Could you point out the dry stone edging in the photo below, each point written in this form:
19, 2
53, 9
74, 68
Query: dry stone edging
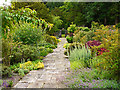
56, 67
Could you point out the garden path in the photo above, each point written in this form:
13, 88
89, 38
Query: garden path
56, 67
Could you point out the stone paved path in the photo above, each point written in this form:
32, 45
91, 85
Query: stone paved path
56, 67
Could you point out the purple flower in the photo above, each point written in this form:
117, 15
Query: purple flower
93, 80
4, 84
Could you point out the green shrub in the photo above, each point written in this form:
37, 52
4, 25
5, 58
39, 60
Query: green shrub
63, 35
43, 53
6, 71
117, 25
30, 67
69, 39
24, 52
51, 39
21, 72
13, 67
10, 83
26, 71
84, 28
94, 25
76, 65
83, 36
16, 70
7, 45
80, 54
72, 28
108, 60
50, 50
77, 37
47, 45
27, 33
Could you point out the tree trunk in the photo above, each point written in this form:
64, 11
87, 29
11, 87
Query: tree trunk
105, 20
116, 20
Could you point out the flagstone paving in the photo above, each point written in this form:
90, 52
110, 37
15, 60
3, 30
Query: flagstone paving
56, 67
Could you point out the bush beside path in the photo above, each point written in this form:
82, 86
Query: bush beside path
56, 67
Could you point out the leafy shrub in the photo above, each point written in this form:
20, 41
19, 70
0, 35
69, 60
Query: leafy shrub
66, 45
43, 52
27, 33
80, 54
16, 70
101, 50
57, 23
63, 35
7, 45
69, 39
108, 60
24, 52
76, 65
21, 72
51, 39
77, 37
10, 83
94, 25
117, 25
13, 67
84, 28
6, 71
49, 50
83, 36
26, 71
93, 43
24, 14
72, 28
47, 45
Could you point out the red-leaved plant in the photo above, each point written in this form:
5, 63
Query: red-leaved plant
96, 43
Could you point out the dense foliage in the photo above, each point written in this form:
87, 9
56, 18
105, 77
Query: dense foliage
25, 42
102, 52
91, 29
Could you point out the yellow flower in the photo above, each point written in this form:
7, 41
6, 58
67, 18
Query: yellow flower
113, 26
21, 65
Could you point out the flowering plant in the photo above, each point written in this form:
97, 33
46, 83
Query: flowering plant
101, 50
96, 43
93, 43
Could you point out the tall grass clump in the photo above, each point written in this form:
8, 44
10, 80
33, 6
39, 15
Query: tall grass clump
81, 54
